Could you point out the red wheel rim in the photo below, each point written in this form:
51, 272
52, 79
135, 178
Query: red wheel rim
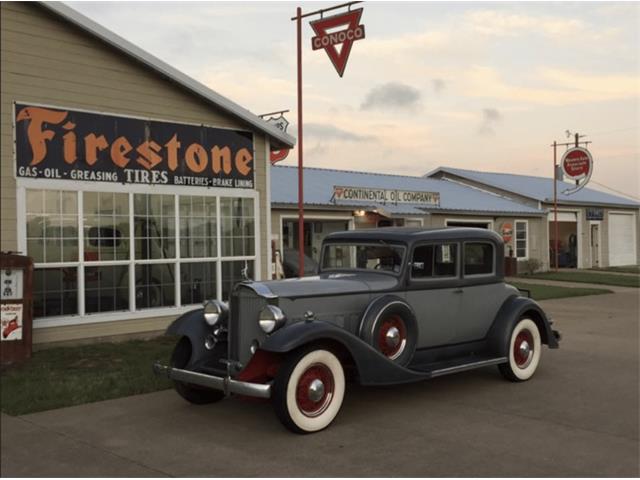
523, 349
392, 337
315, 390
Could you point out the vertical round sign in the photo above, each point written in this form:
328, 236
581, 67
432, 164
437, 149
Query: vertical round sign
577, 163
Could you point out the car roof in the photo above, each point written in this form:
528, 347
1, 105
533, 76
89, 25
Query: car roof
414, 234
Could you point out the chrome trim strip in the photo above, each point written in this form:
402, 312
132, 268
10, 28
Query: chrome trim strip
224, 384
468, 366
260, 289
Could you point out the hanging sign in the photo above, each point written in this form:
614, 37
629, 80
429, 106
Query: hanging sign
329, 37
281, 123
577, 165
383, 195
55, 143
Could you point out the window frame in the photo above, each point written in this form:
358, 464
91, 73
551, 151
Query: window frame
325, 245
464, 258
526, 238
432, 279
79, 188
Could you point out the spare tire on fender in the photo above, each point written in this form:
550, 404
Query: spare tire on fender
390, 326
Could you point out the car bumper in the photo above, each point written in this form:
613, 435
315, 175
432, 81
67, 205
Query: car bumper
224, 384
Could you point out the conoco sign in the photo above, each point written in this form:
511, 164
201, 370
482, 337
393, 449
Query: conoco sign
577, 164
329, 38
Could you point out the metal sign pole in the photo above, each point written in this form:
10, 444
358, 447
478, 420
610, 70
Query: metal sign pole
300, 159
555, 204
585, 168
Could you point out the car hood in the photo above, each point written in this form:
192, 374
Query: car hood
328, 284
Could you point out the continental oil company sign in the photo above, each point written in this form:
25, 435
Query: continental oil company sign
383, 195
64, 144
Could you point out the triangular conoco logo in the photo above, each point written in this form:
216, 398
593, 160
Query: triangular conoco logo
345, 37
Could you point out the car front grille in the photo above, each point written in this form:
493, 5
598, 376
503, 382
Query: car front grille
243, 323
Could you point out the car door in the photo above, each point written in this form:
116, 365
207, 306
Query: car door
433, 291
483, 292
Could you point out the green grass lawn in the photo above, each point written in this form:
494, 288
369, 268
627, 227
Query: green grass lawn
585, 276
65, 376
625, 269
545, 292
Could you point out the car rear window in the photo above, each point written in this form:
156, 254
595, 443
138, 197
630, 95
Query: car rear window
478, 258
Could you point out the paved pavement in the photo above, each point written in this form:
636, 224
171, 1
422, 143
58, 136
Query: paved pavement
577, 417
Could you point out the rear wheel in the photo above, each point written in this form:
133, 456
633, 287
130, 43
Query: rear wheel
191, 393
308, 390
524, 352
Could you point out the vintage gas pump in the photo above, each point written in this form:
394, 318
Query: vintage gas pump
16, 288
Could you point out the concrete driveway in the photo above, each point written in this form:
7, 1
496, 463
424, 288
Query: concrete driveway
577, 417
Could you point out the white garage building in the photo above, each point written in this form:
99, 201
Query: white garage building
595, 229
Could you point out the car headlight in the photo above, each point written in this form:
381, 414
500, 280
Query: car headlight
214, 311
271, 318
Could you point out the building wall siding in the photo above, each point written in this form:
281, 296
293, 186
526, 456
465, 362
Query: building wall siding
46, 60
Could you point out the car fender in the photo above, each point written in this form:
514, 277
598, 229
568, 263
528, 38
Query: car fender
510, 312
373, 367
192, 325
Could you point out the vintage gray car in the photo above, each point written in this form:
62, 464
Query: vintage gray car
388, 306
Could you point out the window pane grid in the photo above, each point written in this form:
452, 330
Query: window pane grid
521, 239
113, 254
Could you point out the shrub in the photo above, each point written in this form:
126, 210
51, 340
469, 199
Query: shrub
531, 265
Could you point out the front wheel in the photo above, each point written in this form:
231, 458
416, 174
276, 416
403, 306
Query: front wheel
308, 390
524, 352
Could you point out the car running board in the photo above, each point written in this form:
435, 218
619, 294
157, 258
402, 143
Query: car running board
450, 368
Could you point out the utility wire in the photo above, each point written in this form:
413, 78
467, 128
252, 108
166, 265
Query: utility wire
617, 191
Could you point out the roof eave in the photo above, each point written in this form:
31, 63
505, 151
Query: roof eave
281, 138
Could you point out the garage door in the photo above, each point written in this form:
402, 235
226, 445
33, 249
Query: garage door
622, 239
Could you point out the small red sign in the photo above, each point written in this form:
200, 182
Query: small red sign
507, 232
576, 163
330, 40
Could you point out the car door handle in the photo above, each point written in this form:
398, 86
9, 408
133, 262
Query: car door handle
458, 290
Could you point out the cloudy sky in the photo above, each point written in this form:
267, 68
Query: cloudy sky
470, 85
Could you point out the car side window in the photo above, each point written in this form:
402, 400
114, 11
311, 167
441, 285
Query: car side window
478, 258
434, 261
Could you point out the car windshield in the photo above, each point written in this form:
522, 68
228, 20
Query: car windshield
378, 256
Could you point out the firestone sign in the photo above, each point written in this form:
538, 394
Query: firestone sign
383, 195
328, 38
63, 144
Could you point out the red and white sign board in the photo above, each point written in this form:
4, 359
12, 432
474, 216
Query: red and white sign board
577, 163
279, 155
507, 232
11, 322
330, 34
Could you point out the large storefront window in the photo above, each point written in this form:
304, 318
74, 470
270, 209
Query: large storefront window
101, 252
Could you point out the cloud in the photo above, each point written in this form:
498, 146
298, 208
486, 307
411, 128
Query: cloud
438, 85
490, 117
503, 24
561, 87
392, 95
325, 131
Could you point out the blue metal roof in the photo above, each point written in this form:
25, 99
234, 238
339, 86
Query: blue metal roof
319, 183
537, 188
